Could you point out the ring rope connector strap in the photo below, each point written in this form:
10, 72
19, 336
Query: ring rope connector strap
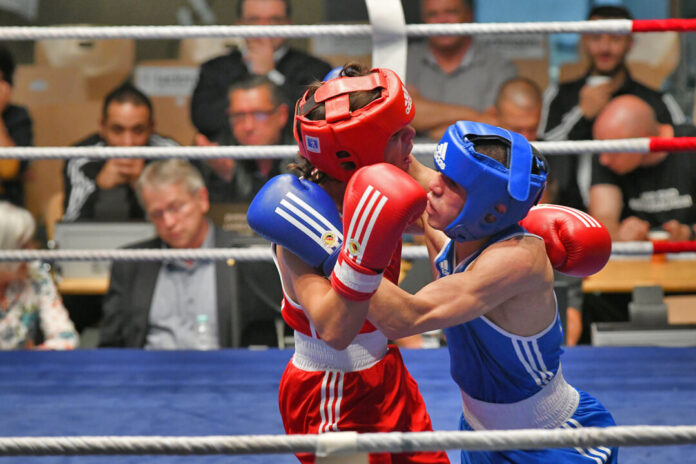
337, 444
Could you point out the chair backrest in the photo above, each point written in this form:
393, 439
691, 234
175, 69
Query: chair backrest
39, 84
200, 49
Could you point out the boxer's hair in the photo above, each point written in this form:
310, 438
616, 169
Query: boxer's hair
127, 92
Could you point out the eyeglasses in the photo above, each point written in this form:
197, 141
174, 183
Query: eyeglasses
173, 209
258, 116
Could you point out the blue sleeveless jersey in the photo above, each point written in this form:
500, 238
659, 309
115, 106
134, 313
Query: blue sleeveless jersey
490, 364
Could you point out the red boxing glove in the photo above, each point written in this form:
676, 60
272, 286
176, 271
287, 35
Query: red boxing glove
379, 202
577, 244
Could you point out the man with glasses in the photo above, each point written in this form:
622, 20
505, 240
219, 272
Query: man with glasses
257, 115
287, 67
156, 305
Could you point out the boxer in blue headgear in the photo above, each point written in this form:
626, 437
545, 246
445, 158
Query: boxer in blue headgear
498, 195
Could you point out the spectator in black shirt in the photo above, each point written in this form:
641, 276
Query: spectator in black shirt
570, 108
634, 193
15, 130
103, 190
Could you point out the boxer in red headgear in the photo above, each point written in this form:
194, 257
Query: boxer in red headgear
343, 219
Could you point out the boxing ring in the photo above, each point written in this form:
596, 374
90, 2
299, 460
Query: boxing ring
123, 393
234, 392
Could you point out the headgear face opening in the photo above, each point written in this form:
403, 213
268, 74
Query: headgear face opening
347, 140
487, 182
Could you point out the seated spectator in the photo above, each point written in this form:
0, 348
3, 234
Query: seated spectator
634, 193
32, 315
15, 130
155, 305
518, 106
571, 107
452, 78
98, 190
257, 116
288, 67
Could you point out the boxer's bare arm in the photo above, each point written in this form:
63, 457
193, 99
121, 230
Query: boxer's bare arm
514, 275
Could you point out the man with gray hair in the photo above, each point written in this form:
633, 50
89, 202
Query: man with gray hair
156, 305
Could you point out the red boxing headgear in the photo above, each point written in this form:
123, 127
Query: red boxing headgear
345, 140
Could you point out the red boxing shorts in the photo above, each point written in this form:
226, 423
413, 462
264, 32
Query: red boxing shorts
380, 398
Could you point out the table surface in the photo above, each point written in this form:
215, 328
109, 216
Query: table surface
624, 275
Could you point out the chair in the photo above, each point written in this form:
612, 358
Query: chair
55, 124
104, 63
199, 50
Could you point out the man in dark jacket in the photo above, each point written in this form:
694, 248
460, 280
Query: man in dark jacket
156, 305
287, 67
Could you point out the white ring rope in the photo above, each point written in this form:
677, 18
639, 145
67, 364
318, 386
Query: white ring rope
366, 443
636, 145
617, 26
260, 253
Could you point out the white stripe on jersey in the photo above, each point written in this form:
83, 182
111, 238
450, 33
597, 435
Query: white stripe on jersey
331, 396
600, 455
516, 344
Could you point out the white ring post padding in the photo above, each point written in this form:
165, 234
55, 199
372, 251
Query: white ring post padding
570, 147
587, 437
617, 26
632, 248
337, 443
388, 35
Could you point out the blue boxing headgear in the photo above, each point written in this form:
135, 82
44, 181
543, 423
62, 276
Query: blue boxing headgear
488, 183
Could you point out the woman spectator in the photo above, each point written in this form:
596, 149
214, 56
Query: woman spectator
32, 315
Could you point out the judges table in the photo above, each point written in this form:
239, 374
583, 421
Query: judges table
235, 392
625, 274
617, 276
83, 286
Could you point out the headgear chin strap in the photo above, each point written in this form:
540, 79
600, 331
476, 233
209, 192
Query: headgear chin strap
487, 182
347, 140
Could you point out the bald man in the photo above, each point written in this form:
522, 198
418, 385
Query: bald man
570, 108
518, 106
634, 193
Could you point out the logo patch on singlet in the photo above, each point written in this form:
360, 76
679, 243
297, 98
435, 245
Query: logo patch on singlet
312, 144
